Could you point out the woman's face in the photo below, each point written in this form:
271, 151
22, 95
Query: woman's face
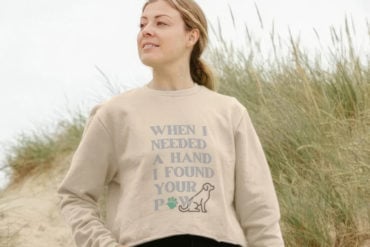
162, 39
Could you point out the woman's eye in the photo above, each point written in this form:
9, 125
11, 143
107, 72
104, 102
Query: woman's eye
141, 25
161, 23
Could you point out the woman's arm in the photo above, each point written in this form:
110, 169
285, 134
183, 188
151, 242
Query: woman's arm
255, 198
91, 168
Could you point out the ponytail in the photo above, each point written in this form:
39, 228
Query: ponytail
201, 73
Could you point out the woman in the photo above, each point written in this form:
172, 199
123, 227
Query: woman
183, 164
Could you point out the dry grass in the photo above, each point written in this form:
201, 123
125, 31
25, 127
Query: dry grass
35, 152
313, 118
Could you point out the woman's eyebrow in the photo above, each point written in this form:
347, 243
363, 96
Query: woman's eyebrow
156, 17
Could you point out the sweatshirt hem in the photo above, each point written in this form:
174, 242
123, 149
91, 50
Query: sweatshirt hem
167, 235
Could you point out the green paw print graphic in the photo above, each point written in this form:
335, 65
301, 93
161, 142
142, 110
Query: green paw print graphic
172, 202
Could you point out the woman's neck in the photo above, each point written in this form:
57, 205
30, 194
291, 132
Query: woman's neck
175, 79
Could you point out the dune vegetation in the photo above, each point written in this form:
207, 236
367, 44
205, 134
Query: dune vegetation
313, 119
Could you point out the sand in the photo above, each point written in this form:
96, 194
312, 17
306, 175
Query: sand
29, 213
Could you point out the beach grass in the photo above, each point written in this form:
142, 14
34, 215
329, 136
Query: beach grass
34, 152
313, 119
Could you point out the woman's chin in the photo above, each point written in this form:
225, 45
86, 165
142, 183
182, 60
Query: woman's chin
152, 59
148, 63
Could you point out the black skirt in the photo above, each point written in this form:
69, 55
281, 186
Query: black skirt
186, 241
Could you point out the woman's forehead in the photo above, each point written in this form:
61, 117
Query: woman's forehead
159, 9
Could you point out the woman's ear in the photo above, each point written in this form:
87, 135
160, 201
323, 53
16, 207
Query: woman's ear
193, 37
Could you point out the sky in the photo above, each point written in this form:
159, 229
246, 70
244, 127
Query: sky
53, 53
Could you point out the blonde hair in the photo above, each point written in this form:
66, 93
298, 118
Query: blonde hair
194, 18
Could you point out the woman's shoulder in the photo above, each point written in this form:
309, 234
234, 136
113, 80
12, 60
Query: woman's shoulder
115, 102
225, 100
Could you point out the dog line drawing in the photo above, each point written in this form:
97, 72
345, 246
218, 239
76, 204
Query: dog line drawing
197, 203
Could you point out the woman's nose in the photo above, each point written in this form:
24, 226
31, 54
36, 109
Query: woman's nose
147, 30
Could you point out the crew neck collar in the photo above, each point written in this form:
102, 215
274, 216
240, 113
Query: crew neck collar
181, 92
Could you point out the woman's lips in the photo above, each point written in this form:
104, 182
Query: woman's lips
149, 45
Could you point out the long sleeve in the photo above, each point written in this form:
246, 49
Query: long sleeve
92, 166
255, 198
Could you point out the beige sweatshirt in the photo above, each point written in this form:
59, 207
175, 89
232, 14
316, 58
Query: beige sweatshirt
175, 162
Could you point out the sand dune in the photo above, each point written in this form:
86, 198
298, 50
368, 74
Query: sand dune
29, 213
